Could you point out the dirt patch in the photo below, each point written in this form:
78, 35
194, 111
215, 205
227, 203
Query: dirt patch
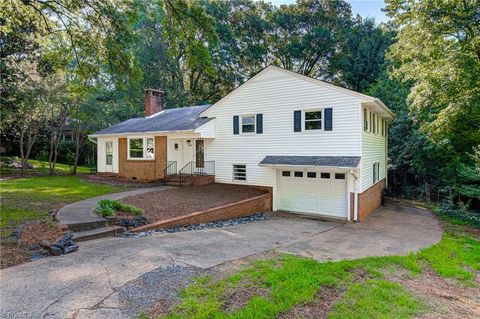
161, 205
12, 255
445, 298
35, 233
237, 297
324, 300
319, 308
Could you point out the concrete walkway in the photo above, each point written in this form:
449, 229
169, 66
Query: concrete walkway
84, 211
85, 284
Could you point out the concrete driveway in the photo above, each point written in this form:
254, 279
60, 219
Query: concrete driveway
84, 284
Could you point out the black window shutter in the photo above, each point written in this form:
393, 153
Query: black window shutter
297, 121
236, 129
328, 119
259, 123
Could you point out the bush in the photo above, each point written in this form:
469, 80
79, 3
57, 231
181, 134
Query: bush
458, 214
108, 207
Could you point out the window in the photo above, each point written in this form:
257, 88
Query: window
239, 172
141, 148
313, 120
374, 126
109, 153
311, 175
339, 176
365, 120
325, 175
248, 124
298, 174
286, 173
376, 172
135, 147
370, 121
176, 146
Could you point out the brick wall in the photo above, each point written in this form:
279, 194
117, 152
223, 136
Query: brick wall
143, 169
368, 201
242, 208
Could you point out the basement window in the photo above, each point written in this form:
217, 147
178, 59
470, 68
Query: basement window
239, 172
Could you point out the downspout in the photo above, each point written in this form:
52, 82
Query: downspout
355, 196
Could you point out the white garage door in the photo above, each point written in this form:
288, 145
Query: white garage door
313, 192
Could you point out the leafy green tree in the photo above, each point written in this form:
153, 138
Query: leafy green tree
438, 49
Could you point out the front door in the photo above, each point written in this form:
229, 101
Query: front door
199, 154
109, 156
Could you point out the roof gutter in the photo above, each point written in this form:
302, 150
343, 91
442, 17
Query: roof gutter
141, 133
307, 166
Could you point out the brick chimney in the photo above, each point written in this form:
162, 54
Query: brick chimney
154, 101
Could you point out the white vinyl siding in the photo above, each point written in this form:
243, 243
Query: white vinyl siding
276, 95
373, 151
101, 155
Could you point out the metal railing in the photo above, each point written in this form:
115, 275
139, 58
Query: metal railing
190, 169
171, 169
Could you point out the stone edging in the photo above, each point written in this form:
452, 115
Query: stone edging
247, 207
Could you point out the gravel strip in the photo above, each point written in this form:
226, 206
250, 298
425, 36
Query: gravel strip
157, 291
210, 225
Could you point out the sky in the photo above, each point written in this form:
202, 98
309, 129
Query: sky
365, 8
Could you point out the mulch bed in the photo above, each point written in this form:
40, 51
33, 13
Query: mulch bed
35, 233
161, 205
118, 181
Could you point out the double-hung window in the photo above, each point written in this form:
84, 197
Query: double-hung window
365, 119
248, 124
141, 148
108, 153
313, 120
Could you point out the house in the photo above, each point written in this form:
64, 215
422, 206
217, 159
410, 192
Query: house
321, 149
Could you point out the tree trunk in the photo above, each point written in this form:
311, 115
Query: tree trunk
22, 152
77, 151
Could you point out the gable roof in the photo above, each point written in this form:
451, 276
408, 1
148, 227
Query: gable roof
320, 161
370, 100
168, 120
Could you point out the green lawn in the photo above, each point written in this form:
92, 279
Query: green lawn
31, 198
41, 168
293, 281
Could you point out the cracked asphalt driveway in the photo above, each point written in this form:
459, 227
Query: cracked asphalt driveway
85, 284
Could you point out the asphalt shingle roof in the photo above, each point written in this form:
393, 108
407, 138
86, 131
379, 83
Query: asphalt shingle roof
334, 161
179, 119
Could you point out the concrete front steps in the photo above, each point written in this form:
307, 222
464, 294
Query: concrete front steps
94, 229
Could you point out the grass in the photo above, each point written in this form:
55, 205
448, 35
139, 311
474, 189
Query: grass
31, 198
41, 168
294, 281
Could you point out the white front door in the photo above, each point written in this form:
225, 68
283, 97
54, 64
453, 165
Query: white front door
323, 193
109, 156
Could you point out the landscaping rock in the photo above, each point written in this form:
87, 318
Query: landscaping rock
70, 249
201, 226
45, 244
56, 251
39, 254
35, 247
132, 223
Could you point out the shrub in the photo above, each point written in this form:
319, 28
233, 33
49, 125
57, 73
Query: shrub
458, 214
108, 207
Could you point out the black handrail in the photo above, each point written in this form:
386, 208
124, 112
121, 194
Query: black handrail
171, 169
190, 169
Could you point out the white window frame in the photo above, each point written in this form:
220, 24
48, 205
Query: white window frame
304, 119
254, 123
235, 174
376, 172
144, 144
106, 152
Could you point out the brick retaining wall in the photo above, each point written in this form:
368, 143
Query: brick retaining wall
258, 204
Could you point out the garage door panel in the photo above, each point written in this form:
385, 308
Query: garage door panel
312, 195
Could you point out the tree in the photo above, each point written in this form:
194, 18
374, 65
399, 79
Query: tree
438, 49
